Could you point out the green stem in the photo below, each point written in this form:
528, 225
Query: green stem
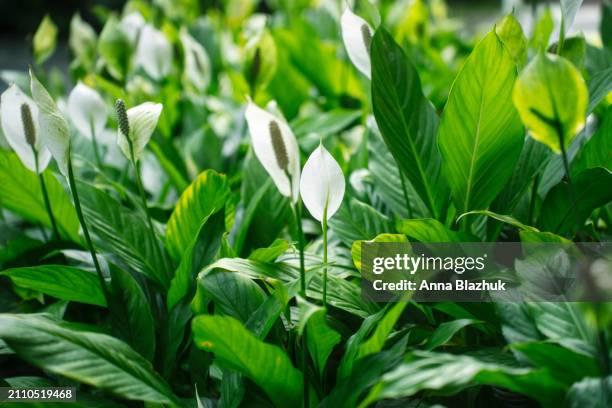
297, 211
79, 211
143, 200
324, 227
45, 194
95, 145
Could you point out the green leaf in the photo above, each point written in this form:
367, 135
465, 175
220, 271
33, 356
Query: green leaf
356, 247
114, 48
264, 364
270, 253
590, 392
233, 294
204, 197
20, 193
91, 358
564, 323
600, 85
201, 253
356, 220
60, 281
445, 331
533, 236
543, 103
503, 218
384, 327
320, 338
480, 134
451, 373
123, 233
45, 40
597, 152
565, 364
310, 129
428, 230
574, 50
132, 318
542, 31
566, 207
407, 120
511, 34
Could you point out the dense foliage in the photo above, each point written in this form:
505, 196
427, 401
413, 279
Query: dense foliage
170, 272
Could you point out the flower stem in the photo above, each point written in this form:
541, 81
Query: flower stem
324, 228
79, 211
143, 201
297, 212
45, 194
95, 145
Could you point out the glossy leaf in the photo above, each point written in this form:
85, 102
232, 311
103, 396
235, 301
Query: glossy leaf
544, 107
60, 281
480, 135
91, 358
264, 364
20, 193
204, 197
406, 119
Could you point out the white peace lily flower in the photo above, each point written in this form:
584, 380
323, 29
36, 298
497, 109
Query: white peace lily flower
154, 52
137, 124
131, 24
54, 131
357, 35
276, 148
14, 128
87, 110
197, 63
322, 184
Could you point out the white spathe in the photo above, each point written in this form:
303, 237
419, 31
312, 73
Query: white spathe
142, 120
354, 40
87, 110
12, 126
196, 72
259, 121
131, 24
154, 52
53, 129
322, 184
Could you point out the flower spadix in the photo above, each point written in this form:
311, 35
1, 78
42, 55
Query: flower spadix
87, 110
53, 128
357, 36
276, 148
322, 184
19, 118
136, 125
154, 52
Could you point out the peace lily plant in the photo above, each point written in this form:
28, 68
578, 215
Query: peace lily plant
357, 37
19, 117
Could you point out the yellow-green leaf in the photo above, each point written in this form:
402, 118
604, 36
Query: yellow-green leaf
552, 99
45, 40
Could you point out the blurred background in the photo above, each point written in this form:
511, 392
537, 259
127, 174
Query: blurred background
20, 19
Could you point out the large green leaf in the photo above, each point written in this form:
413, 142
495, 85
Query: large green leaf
406, 119
200, 253
450, 373
597, 152
60, 281
591, 392
204, 197
552, 98
91, 358
429, 230
480, 134
20, 193
123, 233
358, 221
600, 85
511, 34
132, 318
264, 364
445, 331
566, 206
